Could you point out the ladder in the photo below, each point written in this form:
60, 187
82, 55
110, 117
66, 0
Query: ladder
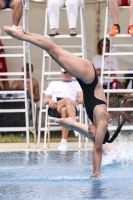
22, 51
48, 73
114, 47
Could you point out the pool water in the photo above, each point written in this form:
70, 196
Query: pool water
54, 176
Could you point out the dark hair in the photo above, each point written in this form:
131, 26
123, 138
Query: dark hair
106, 138
27, 67
99, 51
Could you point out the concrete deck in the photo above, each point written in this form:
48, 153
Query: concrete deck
33, 147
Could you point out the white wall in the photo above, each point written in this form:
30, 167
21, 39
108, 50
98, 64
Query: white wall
94, 25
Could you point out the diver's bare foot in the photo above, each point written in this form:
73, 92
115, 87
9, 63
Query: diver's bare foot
66, 122
17, 33
95, 175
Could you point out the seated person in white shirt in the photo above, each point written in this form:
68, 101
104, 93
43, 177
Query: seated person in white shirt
110, 63
63, 98
128, 102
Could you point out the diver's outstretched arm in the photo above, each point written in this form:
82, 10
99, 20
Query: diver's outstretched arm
69, 123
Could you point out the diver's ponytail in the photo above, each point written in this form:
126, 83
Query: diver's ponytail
116, 132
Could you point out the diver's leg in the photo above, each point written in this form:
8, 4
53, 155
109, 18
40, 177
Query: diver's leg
76, 66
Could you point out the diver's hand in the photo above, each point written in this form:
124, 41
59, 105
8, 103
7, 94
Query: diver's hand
95, 175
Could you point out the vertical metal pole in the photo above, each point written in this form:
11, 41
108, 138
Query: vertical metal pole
104, 42
42, 84
25, 85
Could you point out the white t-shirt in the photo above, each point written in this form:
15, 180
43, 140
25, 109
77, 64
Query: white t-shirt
63, 89
109, 63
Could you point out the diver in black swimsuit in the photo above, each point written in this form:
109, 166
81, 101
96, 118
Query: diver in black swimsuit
83, 70
90, 101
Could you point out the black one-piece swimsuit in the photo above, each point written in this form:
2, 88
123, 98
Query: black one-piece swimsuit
90, 100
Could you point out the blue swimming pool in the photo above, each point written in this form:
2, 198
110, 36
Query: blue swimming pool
55, 176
